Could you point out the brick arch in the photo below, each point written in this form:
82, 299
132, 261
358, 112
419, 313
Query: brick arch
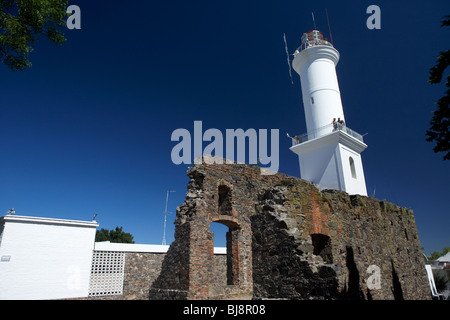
230, 222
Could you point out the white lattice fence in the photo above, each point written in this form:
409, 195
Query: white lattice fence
107, 273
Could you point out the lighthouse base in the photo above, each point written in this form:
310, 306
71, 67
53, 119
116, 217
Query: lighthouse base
333, 162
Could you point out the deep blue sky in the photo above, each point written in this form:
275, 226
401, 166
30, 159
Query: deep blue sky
87, 129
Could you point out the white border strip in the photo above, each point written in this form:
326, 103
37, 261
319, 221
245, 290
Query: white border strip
132, 247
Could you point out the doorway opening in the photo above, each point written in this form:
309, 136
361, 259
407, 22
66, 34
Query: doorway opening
226, 266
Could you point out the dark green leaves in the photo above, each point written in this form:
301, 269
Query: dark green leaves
22, 22
440, 123
116, 236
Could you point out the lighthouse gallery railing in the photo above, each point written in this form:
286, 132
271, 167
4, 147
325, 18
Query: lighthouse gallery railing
325, 130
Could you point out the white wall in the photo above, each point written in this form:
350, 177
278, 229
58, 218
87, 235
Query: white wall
317, 69
321, 167
328, 167
352, 185
320, 162
324, 161
44, 258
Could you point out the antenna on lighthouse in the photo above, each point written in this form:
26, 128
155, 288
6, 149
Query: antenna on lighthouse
287, 55
165, 218
314, 20
329, 28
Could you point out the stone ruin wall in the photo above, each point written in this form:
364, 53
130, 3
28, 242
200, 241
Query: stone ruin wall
288, 240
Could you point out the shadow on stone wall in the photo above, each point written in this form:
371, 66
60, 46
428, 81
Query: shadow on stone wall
397, 290
283, 271
173, 280
352, 290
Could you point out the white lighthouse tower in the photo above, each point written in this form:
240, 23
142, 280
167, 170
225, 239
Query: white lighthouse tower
329, 153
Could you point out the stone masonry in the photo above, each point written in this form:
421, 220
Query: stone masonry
288, 240
143, 268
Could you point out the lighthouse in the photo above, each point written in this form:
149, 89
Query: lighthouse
330, 152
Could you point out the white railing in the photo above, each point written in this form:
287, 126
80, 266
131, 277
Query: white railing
316, 42
325, 130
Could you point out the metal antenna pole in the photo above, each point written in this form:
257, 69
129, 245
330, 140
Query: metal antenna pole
329, 28
165, 218
287, 55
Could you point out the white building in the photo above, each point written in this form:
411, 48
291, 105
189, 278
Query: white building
444, 261
439, 268
43, 258
329, 154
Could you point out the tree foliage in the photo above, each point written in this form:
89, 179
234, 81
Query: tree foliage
440, 281
440, 122
435, 255
117, 236
22, 22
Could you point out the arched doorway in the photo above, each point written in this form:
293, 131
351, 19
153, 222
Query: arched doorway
230, 229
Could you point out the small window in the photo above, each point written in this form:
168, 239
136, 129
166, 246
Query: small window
225, 203
352, 167
312, 100
1, 233
322, 247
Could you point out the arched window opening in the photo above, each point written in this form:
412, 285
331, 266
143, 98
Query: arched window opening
224, 200
352, 167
